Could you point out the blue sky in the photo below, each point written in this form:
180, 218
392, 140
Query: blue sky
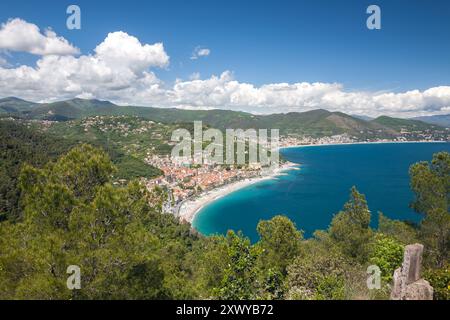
266, 42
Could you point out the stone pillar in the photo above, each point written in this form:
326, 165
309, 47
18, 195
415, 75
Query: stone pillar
407, 282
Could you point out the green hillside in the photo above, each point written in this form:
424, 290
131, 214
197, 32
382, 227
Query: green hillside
405, 124
126, 139
22, 142
131, 135
313, 123
318, 123
15, 106
73, 109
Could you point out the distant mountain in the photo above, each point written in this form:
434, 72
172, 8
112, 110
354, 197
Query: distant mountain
365, 118
398, 124
314, 123
440, 120
15, 105
72, 109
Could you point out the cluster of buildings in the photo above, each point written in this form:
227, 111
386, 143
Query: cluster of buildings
184, 180
404, 136
43, 124
424, 135
307, 140
124, 125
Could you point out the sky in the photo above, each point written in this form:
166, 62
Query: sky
259, 56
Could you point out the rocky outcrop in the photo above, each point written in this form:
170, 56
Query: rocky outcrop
407, 282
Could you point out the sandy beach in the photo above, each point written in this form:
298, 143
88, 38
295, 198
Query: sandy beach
190, 208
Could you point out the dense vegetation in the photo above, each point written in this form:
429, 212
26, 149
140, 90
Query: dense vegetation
18, 145
131, 135
25, 143
127, 249
397, 123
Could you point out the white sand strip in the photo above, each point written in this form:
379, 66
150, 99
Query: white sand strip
190, 208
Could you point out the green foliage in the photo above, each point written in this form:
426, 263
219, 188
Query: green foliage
387, 254
350, 227
440, 281
126, 139
208, 260
435, 234
258, 271
129, 167
22, 144
19, 145
273, 287
431, 183
73, 215
401, 231
280, 242
318, 274
331, 288
239, 280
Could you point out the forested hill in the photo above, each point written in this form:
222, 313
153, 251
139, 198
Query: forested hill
15, 105
18, 145
405, 124
24, 144
314, 123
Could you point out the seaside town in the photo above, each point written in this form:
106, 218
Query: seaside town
184, 181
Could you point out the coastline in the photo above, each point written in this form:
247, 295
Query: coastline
360, 142
189, 209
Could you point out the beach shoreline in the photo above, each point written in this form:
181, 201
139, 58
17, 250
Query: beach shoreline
189, 209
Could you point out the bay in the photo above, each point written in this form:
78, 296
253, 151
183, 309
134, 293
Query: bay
311, 195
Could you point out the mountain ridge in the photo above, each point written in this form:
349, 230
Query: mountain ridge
440, 120
318, 122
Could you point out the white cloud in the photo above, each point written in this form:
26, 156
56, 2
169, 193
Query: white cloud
200, 52
19, 35
126, 51
226, 93
120, 70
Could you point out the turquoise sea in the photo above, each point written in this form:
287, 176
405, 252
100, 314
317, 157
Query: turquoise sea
312, 195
